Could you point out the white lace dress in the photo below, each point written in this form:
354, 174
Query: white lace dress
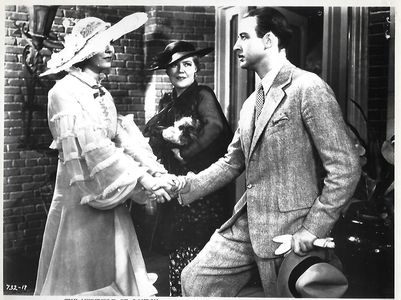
90, 246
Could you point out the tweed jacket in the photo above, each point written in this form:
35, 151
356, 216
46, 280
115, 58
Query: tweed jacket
301, 166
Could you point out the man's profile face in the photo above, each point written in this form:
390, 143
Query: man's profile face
249, 48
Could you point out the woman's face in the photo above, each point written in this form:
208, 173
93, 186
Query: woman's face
102, 60
182, 73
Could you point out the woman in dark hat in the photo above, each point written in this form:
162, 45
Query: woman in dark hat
182, 231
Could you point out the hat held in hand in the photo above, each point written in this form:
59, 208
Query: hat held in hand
315, 275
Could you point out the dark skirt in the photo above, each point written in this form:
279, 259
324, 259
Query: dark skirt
182, 231
178, 260
178, 225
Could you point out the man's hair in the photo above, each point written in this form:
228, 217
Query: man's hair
269, 19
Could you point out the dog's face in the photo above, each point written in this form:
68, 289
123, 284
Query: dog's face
183, 132
189, 128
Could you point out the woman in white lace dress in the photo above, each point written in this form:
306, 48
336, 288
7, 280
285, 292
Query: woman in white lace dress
90, 245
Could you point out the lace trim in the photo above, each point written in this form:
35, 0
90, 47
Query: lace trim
93, 146
125, 179
122, 181
55, 145
72, 120
107, 162
146, 160
66, 134
70, 156
78, 177
106, 105
59, 115
88, 198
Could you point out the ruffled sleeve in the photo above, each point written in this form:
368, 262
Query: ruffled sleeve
105, 174
130, 138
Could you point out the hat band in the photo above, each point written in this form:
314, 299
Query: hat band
176, 56
299, 270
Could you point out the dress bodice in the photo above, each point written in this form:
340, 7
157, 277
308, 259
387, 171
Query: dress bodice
96, 103
104, 154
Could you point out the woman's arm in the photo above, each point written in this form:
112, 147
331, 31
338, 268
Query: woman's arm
212, 124
130, 138
105, 175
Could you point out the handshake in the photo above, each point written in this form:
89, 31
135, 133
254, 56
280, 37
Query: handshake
163, 187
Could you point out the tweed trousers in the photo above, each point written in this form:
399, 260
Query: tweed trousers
227, 264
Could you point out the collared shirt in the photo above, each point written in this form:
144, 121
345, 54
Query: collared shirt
90, 81
85, 78
267, 81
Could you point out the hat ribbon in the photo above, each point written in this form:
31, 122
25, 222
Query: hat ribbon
178, 55
298, 271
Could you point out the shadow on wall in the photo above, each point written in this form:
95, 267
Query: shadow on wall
154, 79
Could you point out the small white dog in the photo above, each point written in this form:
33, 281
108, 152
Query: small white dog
182, 133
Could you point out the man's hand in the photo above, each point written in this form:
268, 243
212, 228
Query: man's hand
183, 185
166, 181
149, 183
161, 195
302, 241
171, 183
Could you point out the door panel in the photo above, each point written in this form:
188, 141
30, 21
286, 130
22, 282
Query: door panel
231, 81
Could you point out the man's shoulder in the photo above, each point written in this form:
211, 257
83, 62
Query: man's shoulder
307, 83
307, 80
303, 75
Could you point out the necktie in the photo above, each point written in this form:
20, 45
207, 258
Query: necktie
260, 100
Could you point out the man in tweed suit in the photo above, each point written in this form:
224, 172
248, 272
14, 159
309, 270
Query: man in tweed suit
301, 167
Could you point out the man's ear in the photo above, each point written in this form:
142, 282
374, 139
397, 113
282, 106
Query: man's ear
269, 40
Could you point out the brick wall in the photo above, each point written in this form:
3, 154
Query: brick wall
25, 170
378, 62
29, 172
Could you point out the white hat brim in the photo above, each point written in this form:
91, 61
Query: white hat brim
100, 40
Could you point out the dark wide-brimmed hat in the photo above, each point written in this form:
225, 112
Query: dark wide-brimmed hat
316, 275
175, 52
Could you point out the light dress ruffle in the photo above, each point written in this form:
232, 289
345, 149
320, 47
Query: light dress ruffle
89, 245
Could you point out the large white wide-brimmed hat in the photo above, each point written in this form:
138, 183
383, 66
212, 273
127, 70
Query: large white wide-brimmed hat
88, 37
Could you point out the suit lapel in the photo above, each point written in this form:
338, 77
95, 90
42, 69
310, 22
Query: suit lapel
247, 120
274, 97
